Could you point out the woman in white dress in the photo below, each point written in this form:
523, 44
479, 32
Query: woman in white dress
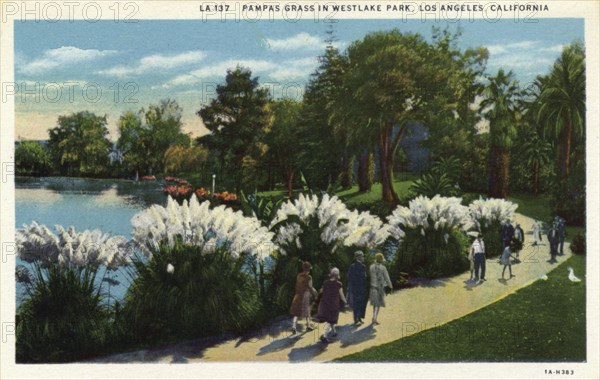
380, 279
535, 228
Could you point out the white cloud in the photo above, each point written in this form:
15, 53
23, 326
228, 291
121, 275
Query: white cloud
553, 49
155, 62
63, 56
299, 68
299, 41
507, 48
219, 70
528, 57
522, 60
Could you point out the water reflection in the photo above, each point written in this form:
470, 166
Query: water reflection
37, 195
107, 205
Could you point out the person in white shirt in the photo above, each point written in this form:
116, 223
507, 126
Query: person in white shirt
535, 228
478, 252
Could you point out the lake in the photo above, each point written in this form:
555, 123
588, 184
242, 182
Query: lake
85, 204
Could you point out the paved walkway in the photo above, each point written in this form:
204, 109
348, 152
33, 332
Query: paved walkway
408, 311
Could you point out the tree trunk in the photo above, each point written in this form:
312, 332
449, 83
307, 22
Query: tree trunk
499, 160
365, 171
386, 161
566, 149
504, 173
290, 182
346, 175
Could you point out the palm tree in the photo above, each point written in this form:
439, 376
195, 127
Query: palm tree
562, 101
537, 153
500, 107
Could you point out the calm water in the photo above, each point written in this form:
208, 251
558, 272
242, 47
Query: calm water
85, 204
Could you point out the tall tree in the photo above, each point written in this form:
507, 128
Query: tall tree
146, 136
562, 101
391, 80
323, 150
237, 119
79, 144
500, 107
282, 139
537, 153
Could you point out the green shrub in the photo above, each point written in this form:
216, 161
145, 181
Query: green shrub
432, 184
430, 255
578, 244
430, 237
63, 319
206, 294
570, 205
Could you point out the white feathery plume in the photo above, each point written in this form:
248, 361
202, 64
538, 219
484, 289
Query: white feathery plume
196, 224
69, 248
423, 214
339, 226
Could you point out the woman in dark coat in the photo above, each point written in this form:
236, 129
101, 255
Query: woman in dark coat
301, 302
357, 287
332, 300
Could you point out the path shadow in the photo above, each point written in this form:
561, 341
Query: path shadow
178, 358
303, 354
357, 336
276, 328
180, 353
278, 345
470, 284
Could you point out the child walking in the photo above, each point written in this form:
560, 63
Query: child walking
505, 260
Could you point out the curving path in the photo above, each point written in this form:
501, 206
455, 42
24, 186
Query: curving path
408, 311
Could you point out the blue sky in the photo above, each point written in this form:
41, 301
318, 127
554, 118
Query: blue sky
184, 60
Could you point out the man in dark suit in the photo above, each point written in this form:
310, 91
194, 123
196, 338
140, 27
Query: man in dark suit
508, 232
357, 287
553, 240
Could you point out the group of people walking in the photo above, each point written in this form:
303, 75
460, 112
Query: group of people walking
513, 239
333, 299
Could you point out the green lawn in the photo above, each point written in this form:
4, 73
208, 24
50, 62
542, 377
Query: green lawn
402, 182
542, 322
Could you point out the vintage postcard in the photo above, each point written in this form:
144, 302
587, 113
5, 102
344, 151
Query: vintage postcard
279, 189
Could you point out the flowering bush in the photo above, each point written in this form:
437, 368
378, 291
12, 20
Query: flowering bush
179, 181
202, 193
430, 236
71, 249
200, 226
179, 193
483, 212
226, 197
148, 178
196, 277
184, 191
487, 216
62, 317
324, 232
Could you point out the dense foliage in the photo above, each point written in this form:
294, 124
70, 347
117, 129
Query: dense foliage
63, 316
32, 158
79, 145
